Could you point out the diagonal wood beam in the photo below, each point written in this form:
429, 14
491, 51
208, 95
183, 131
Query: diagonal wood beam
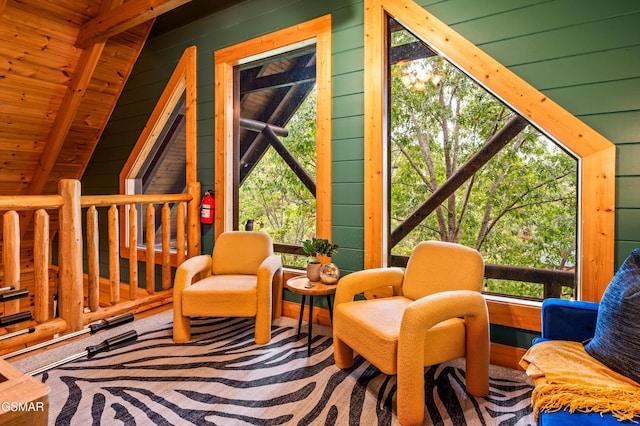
3, 4
468, 169
64, 117
122, 18
288, 158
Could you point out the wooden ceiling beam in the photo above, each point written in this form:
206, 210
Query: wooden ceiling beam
73, 96
64, 117
122, 18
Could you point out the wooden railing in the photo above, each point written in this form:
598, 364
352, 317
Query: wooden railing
78, 295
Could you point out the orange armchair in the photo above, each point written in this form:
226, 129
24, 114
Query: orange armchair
436, 314
243, 278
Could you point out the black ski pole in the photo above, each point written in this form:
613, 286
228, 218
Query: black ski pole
91, 329
90, 351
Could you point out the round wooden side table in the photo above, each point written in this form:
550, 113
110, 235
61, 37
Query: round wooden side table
302, 286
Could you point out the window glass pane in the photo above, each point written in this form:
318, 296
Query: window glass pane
161, 170
276, 167
517, 206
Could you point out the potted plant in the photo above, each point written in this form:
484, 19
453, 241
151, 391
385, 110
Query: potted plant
317, 248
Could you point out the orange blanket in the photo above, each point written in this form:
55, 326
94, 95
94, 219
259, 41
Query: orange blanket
568, 378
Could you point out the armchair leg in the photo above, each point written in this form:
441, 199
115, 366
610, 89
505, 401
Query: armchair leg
263, 325
411, 394
181, 328
342, 353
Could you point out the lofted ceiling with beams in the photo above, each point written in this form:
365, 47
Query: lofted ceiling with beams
63, 66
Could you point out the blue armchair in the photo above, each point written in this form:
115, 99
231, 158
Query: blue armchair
573, 321
568, 320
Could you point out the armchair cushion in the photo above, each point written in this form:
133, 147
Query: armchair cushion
616, 342
226, 295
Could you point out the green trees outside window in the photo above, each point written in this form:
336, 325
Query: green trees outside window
518, 209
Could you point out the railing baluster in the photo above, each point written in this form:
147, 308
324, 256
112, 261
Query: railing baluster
93, 259
114, 255
166, 246
11, 258
193, 219
41, 251
133, 252
180, 225
151, 249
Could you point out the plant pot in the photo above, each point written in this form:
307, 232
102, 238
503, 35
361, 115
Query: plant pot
313, 271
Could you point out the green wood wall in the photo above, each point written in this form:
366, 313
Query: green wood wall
584, 54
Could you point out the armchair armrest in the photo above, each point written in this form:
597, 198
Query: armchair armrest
270, 283
368, 279
426, 312
568, 320
188, 270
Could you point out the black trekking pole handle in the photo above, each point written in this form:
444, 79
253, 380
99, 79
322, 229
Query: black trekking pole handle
15, 318
112, 343
14, 294
111, 322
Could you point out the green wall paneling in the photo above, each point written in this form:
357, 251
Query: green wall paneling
628, 224
617, 64
628, 159
512, 336
628, 192
347, 171
349, 105
621, 127
614, 96
623, 249
583, 54
348, 215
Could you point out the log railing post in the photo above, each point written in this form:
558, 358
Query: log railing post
193, 219
166, 246
180, 232
150, 267
93, 259
114, 255
133, 252
11, 258
70, 294
41, 257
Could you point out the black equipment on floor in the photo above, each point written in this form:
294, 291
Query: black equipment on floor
91, 329
105, 346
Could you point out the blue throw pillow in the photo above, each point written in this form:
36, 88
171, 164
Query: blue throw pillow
616, 342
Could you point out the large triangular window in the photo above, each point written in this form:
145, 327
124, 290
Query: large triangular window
566, 139
466, 168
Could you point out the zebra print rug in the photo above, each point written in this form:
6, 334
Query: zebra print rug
223, 378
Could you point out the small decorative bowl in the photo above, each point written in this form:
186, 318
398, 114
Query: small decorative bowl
329, 273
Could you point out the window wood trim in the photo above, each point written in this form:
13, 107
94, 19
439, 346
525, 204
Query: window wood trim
596, 154
225, 59
182, 80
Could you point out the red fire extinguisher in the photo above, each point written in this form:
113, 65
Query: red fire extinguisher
207, 208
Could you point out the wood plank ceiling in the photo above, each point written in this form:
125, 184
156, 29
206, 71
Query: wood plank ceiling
63, 65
